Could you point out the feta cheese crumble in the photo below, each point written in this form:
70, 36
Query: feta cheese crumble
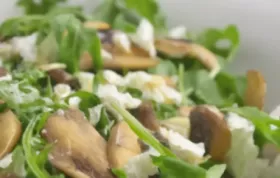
6, 161
153, 87
178, 32
121, 40
74, 102
26, 47
86, 80
7, 77
184, 148
242, 159
62, 90
95, 113
144, 37
113, 78
110, 93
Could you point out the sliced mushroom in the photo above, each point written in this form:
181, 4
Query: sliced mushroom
137, 58
146, 115
181, 48
208, 126
61, 76
178, 124
78, 149
256, 89
10, 132
97, 25
122, 145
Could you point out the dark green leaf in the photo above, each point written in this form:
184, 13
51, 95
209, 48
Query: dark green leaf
38, 7
176, 168
95, 51
88, 100
29, 152
121, 23
203, 86
106, 11
223, 42
3, 107
262, 122
105, 124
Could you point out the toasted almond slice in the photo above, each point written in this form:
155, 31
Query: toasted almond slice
122, 145
256, 89
97, 25
10, 132
180, 48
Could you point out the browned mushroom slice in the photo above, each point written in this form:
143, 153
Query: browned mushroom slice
97, 25
10, 132
146, 115
256, 89
122, 145
78, 149
180, 48
208, 126
61, 76
137, 59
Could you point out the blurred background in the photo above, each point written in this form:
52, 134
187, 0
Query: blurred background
257, 21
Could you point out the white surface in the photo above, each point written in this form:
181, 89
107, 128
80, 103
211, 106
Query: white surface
256, 19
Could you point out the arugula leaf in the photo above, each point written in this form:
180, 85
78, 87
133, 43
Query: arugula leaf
165, 68
139, 129
17, 167
105, 124
29, 152
203, 86
223, 42
120, 173
3, 107
95, 51
176, 168
21, 26
164, 111
121, 23
70, 36
38, 7
232, 87
216, 171
262, 122
106, 11
88, 100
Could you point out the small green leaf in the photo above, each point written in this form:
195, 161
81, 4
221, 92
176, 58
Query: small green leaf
216, 171
140, 130
223, 42
3, 107
119, 173
176, 168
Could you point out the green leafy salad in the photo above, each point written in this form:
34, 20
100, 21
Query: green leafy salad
117, 94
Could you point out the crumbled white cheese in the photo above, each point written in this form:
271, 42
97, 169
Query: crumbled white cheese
95, 113
153, 87
110, 92
86, 80
6, 161
182, 147
106, 55
113, 78
62, 90
121, 40
140, 166
74, 101
7, 77
242, 159
26, 47
178, 32
144, 37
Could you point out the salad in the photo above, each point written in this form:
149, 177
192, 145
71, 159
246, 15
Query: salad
117, 94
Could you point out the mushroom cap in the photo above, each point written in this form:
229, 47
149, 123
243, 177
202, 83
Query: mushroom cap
147, 117
10, 132
256, 89
78, 149
122, 145
98, 25
185, 48
209, 126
